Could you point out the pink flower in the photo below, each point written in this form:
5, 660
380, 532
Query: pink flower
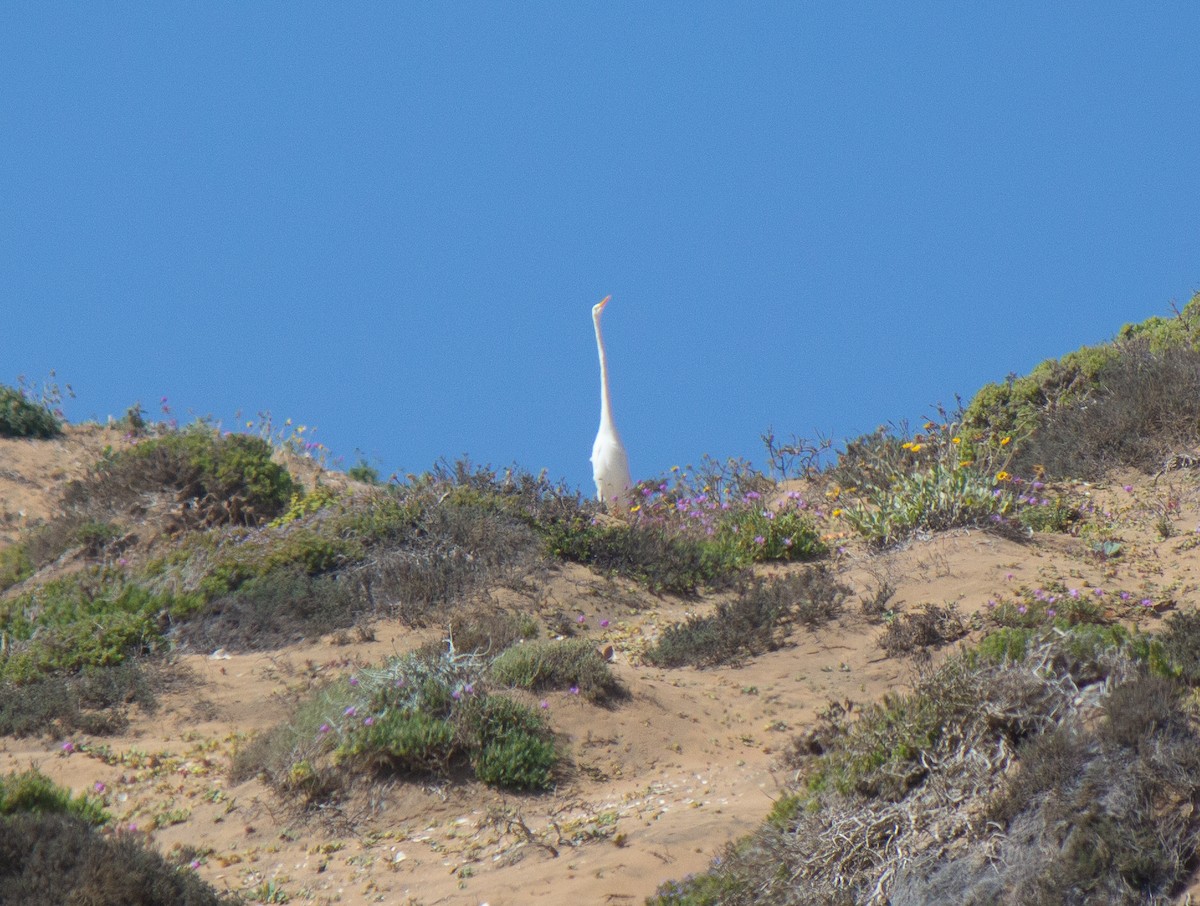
68, 747
543, 704
325, 728
353, 681
1129, 488
99, 786
604, 624
368, 721
581, 619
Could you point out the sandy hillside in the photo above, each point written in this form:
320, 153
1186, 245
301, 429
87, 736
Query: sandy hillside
660, 782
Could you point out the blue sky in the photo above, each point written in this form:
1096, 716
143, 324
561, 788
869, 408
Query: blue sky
391, 221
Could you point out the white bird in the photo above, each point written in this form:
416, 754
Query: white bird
610, 463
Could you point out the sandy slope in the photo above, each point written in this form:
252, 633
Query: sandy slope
660, 783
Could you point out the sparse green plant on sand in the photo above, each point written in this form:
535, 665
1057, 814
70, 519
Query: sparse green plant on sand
554, 664
421, 714
940, 479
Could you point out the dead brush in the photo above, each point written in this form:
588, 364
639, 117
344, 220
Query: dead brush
1082, 809
933, 626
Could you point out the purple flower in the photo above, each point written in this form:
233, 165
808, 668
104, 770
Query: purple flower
760, 540
368, 721
325, 728
1099, 592
469, 688
195, 864
121, 561
399, 682
1051, 613
574, 690
1146, 602
1022, 609
353, 681
68, 747
543, 704
1073, 592
581, 619
351, 711
1125, 596
99, 786
1129, 488
456, 695
604, 624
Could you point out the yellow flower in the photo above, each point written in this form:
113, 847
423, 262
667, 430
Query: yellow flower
956, 440
634, 509
674, 468
1005, 441
906, 446
837, 512
916, 447
1002, 476
966, 462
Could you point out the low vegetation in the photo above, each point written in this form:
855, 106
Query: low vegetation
754, 621
430, 713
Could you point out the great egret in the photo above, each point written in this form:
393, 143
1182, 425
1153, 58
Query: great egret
610, 463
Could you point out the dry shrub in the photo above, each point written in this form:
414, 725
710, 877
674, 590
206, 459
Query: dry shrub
1146, 405
1080, 810
913, 633
457, 549
753, 622
273, 610
95, 701
51, 860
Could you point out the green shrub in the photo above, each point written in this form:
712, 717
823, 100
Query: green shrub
21, 417
557, 665
220, 478
421, 714
655, 555
406, 741
364, 472
87, 620
15, 565
519, 761
32, 791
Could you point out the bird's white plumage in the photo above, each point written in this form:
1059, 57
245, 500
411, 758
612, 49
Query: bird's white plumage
610, 463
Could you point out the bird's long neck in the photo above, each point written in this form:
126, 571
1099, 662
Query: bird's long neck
606, 417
